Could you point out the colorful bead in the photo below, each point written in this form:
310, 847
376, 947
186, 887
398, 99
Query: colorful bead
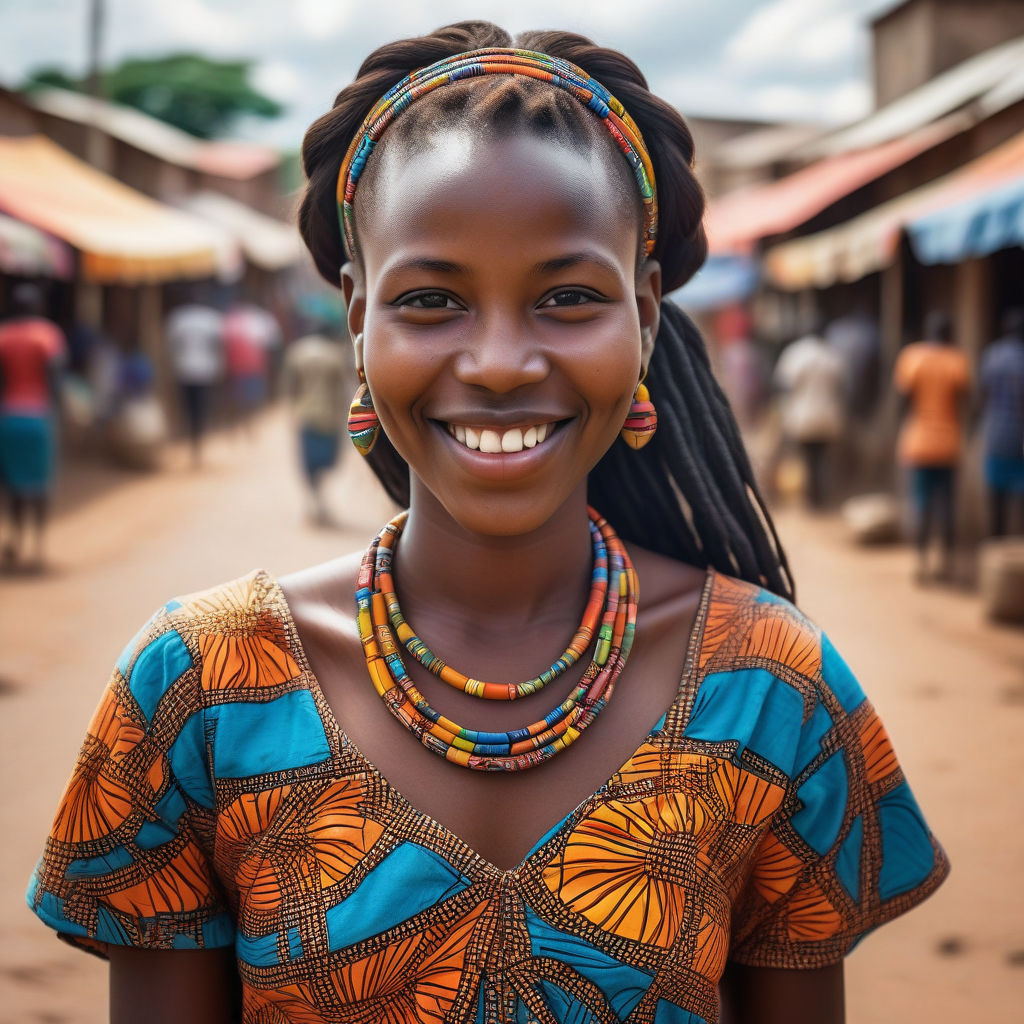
382, 630
641, 420
363, 425
500, 61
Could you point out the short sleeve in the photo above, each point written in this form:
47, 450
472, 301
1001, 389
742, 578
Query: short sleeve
129, 857
847, 851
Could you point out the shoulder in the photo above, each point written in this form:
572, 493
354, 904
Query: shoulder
762, 652
200, 642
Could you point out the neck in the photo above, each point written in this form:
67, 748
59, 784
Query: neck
445, 573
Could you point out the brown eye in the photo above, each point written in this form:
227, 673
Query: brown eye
430, 300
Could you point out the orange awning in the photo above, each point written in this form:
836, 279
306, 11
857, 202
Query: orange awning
740, 218
122, 235
870, 242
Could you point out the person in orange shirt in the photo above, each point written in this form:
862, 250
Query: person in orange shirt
933, 377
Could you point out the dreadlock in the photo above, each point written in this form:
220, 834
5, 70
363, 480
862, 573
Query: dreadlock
691, 493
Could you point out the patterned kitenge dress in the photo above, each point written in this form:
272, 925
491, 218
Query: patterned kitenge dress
216, 802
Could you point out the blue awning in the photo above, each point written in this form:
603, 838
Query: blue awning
722, 281
975, 227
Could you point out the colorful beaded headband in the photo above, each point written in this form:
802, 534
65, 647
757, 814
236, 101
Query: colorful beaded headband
499, 61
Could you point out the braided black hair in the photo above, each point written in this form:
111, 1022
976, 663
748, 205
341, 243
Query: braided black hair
691, 493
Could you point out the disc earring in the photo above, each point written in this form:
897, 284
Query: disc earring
641, 420
363, 425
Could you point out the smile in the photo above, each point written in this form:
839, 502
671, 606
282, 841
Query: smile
497, 442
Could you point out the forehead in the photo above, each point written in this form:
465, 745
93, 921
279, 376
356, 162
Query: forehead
461, 188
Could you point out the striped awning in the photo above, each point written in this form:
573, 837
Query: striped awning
122, 236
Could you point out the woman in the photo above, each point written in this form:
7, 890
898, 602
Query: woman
711, 787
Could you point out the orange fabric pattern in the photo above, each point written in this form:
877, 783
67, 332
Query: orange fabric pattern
217, 802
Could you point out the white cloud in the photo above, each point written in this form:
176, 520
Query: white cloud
813, 32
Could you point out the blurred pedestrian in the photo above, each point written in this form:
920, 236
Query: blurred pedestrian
250, 335
857, 340
317, 379
1002, 395
933, 377
809, 374
32, 351
194, 333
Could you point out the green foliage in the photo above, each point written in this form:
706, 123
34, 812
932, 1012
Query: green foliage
201, 96
48, 78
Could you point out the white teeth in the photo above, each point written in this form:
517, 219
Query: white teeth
494, 442
490, 442
512, 440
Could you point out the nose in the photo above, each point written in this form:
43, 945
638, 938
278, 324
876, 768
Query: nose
500, 356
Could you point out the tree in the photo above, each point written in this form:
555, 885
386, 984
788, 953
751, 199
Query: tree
201, 96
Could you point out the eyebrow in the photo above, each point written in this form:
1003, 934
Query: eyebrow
428, 263
574, 259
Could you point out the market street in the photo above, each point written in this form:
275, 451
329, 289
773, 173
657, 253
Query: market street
949, 687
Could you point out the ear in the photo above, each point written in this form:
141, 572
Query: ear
648, 306
354, 289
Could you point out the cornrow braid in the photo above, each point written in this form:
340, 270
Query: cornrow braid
691, 493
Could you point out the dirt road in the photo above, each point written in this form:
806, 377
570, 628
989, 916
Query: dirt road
950, 688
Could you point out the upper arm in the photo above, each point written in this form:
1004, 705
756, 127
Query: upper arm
149, 986
767, 995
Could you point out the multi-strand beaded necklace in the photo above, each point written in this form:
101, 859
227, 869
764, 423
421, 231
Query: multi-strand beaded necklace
608, 624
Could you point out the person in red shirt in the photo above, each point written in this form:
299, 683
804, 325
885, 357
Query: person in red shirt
32, 349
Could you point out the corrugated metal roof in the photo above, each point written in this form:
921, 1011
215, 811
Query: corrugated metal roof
983, 79
869, 242
228, 159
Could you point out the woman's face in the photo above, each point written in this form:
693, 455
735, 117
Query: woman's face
504, 322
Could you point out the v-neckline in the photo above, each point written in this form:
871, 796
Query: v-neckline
330, 721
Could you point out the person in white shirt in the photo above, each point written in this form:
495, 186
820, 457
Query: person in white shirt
810, 376
194, 335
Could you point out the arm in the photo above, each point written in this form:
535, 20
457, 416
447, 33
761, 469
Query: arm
766, 995
167, 986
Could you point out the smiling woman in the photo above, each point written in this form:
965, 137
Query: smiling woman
679, 804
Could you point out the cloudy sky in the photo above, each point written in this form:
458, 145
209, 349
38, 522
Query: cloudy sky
774, 59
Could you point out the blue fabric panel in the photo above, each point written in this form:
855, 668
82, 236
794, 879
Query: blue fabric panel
907, 854
668, 1013
184, 942
90, 867
824, 797
274, 736
754, 708
848, 859
407, 881
841, 681
187, 758
125, 660
110, 929
259, 950
566, 1009
171, 806
153, 834
51, 910
811, 736
294, 943
219, 931
162, 662
623, 986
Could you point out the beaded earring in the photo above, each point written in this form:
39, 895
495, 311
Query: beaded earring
641, 420
363, 425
